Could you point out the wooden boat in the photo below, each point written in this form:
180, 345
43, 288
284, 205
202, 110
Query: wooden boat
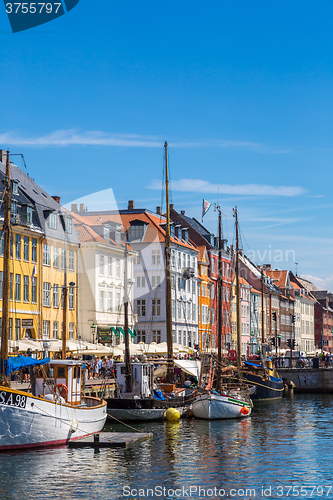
226, 395
54, 412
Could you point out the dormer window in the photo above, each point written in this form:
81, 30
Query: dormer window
68, 225
106, 233
15, 183
13, 207
137, 230
52, 220
29, 215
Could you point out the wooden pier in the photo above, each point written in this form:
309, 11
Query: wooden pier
111, 440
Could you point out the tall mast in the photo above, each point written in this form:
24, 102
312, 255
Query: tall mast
64, 300
6, 272
128, 366
219, 300
170, 371
262, 308
239, 338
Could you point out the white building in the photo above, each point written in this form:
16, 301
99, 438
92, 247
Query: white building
101, 281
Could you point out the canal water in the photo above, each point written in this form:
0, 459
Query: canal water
284, 450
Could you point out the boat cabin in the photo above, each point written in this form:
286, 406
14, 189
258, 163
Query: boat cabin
142, 379
60, 377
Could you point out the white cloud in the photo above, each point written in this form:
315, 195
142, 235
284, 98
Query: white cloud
204, 187
320, 283
74, 137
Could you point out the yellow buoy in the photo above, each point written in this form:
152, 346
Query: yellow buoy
172, 415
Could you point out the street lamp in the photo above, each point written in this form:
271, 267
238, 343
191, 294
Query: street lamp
93, 329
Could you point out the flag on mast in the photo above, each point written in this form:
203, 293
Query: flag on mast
205, 207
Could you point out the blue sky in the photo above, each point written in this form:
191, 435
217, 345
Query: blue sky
242, 91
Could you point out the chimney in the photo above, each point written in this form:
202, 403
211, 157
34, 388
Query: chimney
267, 267
158, 211
3, 155
82, 207
57, 199
172, 206
74, 207
131, 205
182, 212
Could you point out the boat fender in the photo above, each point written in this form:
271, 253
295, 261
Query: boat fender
172, 415
63, 390
244, 410
74, 426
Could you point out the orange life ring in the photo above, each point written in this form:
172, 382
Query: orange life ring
63, 390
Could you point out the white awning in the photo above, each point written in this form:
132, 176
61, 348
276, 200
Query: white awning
192, 367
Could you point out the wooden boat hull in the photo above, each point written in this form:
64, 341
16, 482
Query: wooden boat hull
140, 409
211, 406
27, 421
265, 388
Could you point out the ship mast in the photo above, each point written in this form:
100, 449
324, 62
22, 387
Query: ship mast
128, 366
170, 372
64, 301
219, 300
6, 273
239, 338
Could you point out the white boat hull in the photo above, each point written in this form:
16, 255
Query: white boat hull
212, 406
27, 421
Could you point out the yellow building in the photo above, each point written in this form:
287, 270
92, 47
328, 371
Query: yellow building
24, 294
205, 290
42, 235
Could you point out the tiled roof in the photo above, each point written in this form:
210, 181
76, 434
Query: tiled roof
154, 231
279, 277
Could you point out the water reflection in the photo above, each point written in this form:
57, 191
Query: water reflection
282, 442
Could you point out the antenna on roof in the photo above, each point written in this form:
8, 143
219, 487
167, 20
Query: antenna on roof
296, 264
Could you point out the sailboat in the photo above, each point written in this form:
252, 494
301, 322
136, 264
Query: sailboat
54, 413
135, 395
223, 393
263, 375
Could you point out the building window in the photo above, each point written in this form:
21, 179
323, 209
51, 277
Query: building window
52, 221
1, 285
62, 258
18, 287
118, 302
156, 307
109, 266
10, 328
117, 268
55, 296
11, 286
141, 307
26, 248
26, 288
71, 298
173, 309
155, 281
33, 249
140, 281
46, 255
34, 290
157, 336
29, 215
1, 242
46, 330
46, 294
71, 331
55, 257
71, 260
110, 301
101, 264
141, 336
18, 246
68, 225
17, 328
55, 329
101, 300
155, 256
